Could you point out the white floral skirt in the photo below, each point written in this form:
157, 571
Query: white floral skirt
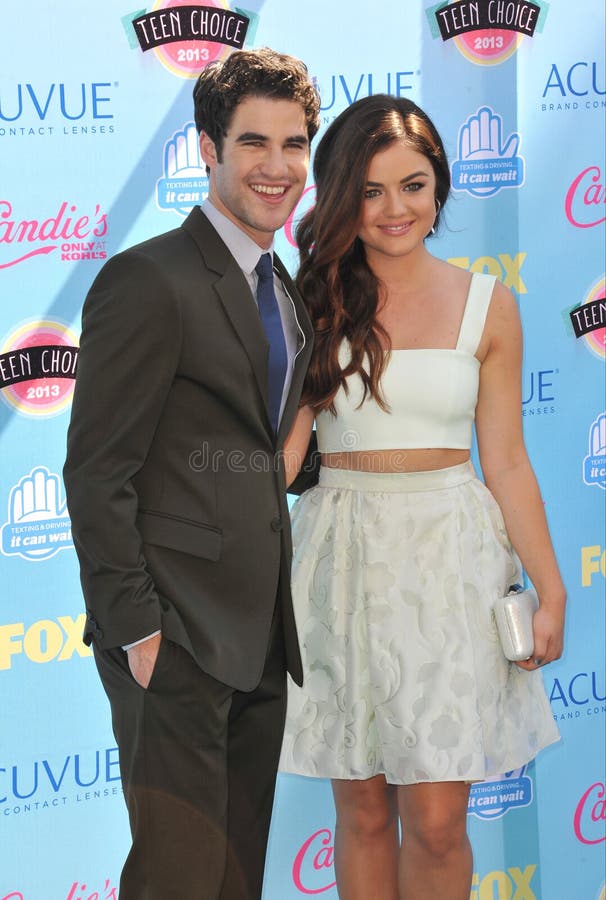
394, 579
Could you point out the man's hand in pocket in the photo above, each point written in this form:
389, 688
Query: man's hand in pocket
142, 659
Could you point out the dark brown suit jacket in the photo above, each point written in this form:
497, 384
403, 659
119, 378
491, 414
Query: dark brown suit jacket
175, 487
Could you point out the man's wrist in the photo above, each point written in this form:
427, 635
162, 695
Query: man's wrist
141, 640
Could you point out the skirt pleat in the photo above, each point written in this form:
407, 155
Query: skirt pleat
394, 581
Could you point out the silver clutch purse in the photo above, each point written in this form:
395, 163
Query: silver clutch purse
513, 616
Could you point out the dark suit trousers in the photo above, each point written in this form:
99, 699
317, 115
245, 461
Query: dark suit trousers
198, 762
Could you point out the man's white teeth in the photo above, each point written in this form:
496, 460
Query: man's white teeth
266, 189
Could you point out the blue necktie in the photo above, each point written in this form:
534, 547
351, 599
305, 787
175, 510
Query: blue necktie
270, 317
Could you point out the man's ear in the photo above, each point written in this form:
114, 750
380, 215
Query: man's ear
208, 151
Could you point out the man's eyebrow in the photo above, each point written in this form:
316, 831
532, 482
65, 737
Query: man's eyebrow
250, 136
255, 136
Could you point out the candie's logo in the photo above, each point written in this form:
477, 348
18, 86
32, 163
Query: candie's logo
586, 198
76, 235
313, 873
313, 866
78, 889
184, 183
186, 37
304, 204
38, 367
590, 815
486, 32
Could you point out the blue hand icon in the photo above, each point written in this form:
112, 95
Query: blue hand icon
38, 522
184, 182
486, 161
182, 155
481, 137
597, 437
594, 464
35, 497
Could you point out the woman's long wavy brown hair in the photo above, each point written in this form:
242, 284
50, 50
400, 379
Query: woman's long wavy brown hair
340, 291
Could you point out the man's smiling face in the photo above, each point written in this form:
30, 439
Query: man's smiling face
263, 165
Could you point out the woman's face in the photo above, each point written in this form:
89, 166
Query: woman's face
399, 207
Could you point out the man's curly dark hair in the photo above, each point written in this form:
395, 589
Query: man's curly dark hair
222, 85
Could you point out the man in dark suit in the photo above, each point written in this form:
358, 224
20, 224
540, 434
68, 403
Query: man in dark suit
193, 352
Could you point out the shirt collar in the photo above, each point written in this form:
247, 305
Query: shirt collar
241, 246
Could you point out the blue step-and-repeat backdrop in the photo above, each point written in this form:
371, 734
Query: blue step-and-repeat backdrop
98, 151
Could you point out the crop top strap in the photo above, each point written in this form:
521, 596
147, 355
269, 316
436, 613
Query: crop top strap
476, 309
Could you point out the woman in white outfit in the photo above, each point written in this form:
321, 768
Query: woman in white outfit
401, 551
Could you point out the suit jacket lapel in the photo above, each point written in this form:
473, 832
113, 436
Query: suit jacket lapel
303, 356
233, 290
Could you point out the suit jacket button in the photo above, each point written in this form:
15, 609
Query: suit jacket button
276, 524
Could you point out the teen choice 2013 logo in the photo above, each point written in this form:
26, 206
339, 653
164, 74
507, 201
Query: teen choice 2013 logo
589, 319
486, 32
186, 37
38, 367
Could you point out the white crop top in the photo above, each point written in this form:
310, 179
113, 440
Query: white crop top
432, 394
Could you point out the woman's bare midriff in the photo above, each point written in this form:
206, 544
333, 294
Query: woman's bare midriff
423, 460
